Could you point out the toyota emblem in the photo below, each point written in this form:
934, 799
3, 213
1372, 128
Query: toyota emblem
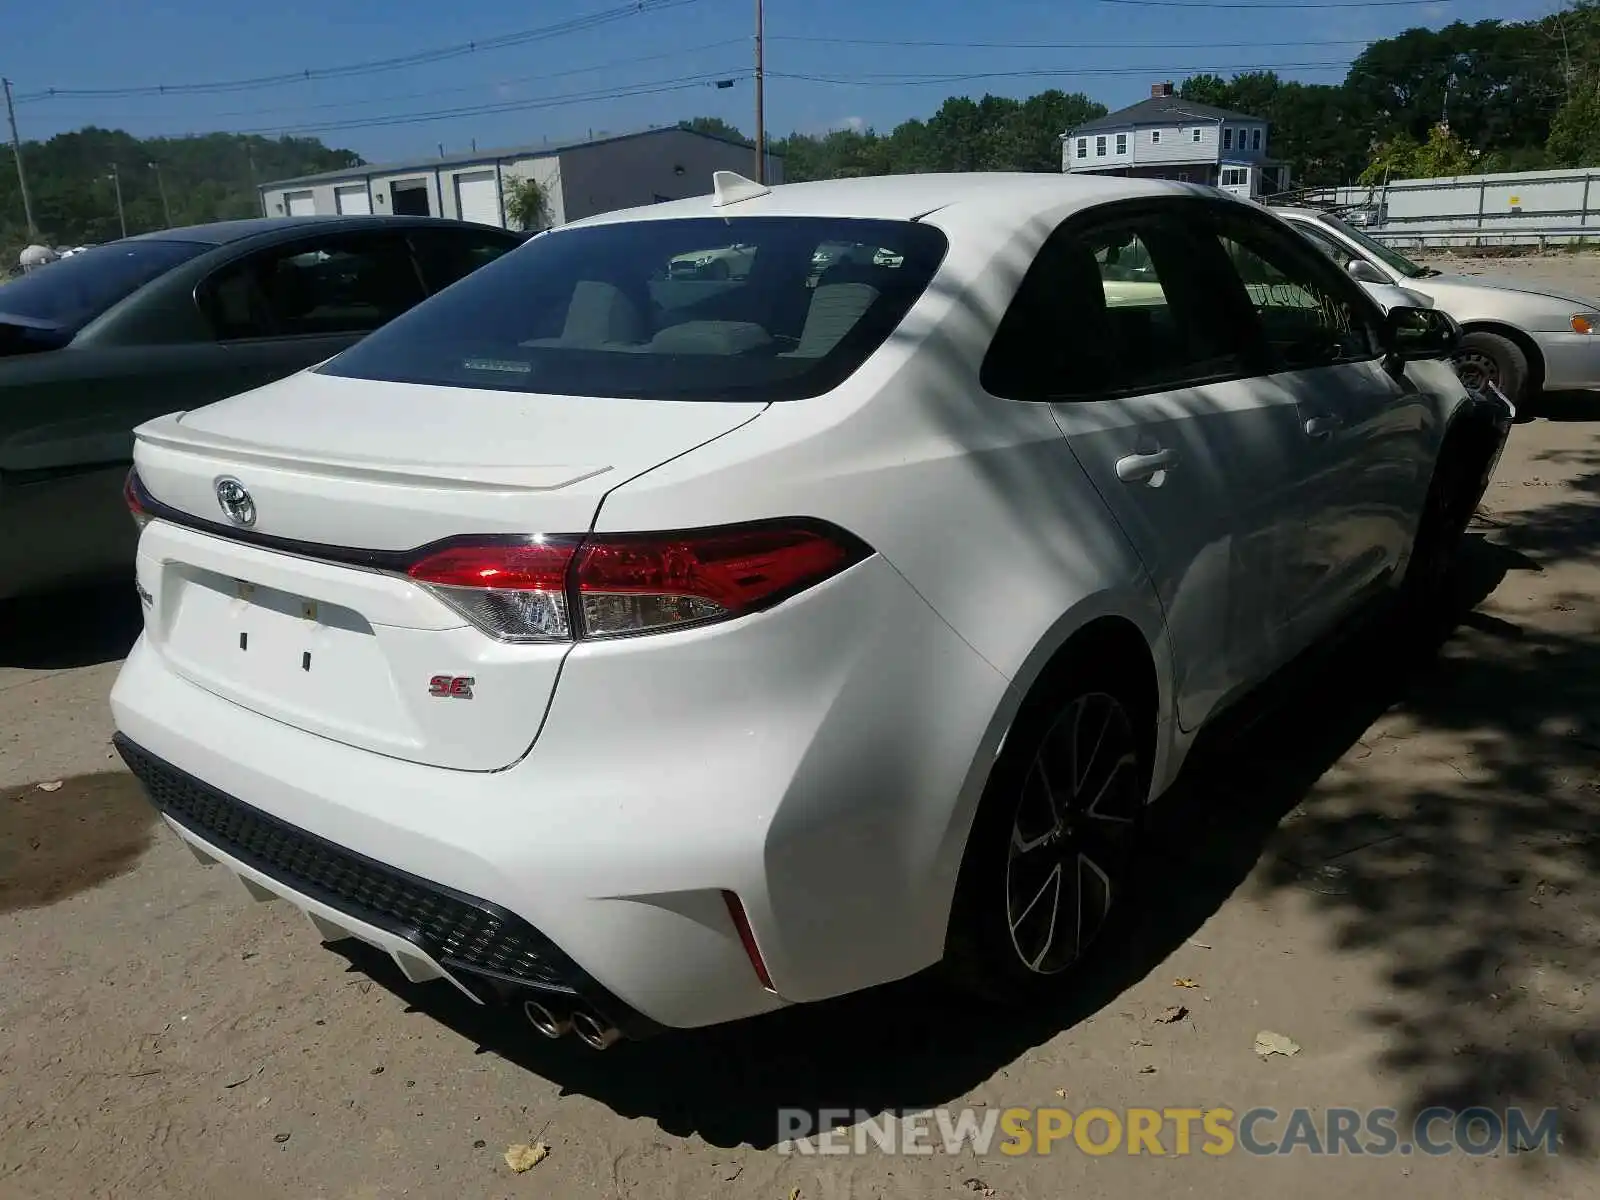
236, 502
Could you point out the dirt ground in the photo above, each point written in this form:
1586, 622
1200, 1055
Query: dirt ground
1398, 870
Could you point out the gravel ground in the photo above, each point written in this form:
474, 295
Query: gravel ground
1397, 871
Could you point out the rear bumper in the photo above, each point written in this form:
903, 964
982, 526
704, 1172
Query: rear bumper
1571, 360
820, 761
431, 932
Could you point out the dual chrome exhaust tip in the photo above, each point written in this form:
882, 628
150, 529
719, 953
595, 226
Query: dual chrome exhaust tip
592, 1030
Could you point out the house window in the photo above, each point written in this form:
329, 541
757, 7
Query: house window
1122, 143
1227, 138
1255, 140
1155, 137
1099, 147
1083, 147
1196, 133
1234, 176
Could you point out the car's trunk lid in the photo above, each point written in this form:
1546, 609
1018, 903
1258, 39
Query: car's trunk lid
280, 617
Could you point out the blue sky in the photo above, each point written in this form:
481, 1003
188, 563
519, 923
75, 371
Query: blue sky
861, 57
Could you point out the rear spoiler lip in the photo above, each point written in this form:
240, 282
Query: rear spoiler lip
169, 433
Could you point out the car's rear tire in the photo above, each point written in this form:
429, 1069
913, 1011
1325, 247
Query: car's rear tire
1484, 358
1051, 854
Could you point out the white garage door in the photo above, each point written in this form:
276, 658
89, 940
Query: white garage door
300, 204
477, 198
352, 198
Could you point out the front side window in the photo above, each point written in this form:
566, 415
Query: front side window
334, 285
1310, 314
68, 294
736, 309
1384, 254
1099, 147
1326, 244
1122, 308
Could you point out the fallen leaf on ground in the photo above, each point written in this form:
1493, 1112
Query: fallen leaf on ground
1184, 983
1061, 1093
53, 786
1269, 1043
794, 1194
1172, 1014
977, 1185
1198, 945
1147, 1070
1141, 1042
522, 1158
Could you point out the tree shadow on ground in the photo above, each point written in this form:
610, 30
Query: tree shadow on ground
1459, 886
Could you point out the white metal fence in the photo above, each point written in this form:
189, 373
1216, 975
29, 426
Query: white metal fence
1524, 208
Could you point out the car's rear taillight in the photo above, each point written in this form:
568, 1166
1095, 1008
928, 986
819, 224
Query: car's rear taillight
629, 585
512, 590
561, 588
133, 495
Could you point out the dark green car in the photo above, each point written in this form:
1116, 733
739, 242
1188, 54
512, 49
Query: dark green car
108, 338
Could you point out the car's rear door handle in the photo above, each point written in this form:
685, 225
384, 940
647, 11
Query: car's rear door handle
1136, 468
1320, 427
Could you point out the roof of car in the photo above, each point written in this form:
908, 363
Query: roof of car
910, 197
220, 233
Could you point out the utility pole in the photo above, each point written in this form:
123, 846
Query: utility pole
116, 181
166, 209
16, 150
761, 115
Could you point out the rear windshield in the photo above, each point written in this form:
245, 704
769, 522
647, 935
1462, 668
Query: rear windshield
73, 291
746, 308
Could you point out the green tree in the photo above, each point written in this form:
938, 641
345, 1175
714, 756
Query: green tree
717, 127
527, 203
1403, 157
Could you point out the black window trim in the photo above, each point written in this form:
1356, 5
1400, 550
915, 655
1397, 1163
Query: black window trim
288, 248
1256, 357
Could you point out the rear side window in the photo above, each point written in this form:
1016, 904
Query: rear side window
743, 308
446, 255
332, 285
70, 293
1122, 308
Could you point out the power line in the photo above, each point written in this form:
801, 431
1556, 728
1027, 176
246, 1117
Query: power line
658, 87
469, 87
1233, 45
1271, 5
1045, 72
374, 66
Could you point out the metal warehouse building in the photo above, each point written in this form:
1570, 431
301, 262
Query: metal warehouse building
579, 178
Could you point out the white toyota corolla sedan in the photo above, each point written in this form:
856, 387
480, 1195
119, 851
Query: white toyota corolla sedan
655, 649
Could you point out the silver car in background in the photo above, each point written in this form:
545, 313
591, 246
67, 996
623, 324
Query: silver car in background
1523, 340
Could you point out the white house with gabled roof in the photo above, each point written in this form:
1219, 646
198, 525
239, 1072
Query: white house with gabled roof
1169, 137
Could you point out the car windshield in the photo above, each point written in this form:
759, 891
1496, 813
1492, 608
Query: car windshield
1377, 249
743, 308
73, 291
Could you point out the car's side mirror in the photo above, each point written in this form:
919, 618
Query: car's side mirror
1364, 272
1413, 334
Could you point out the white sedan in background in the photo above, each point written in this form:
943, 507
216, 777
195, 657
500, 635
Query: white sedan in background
655, 652
1523, 340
